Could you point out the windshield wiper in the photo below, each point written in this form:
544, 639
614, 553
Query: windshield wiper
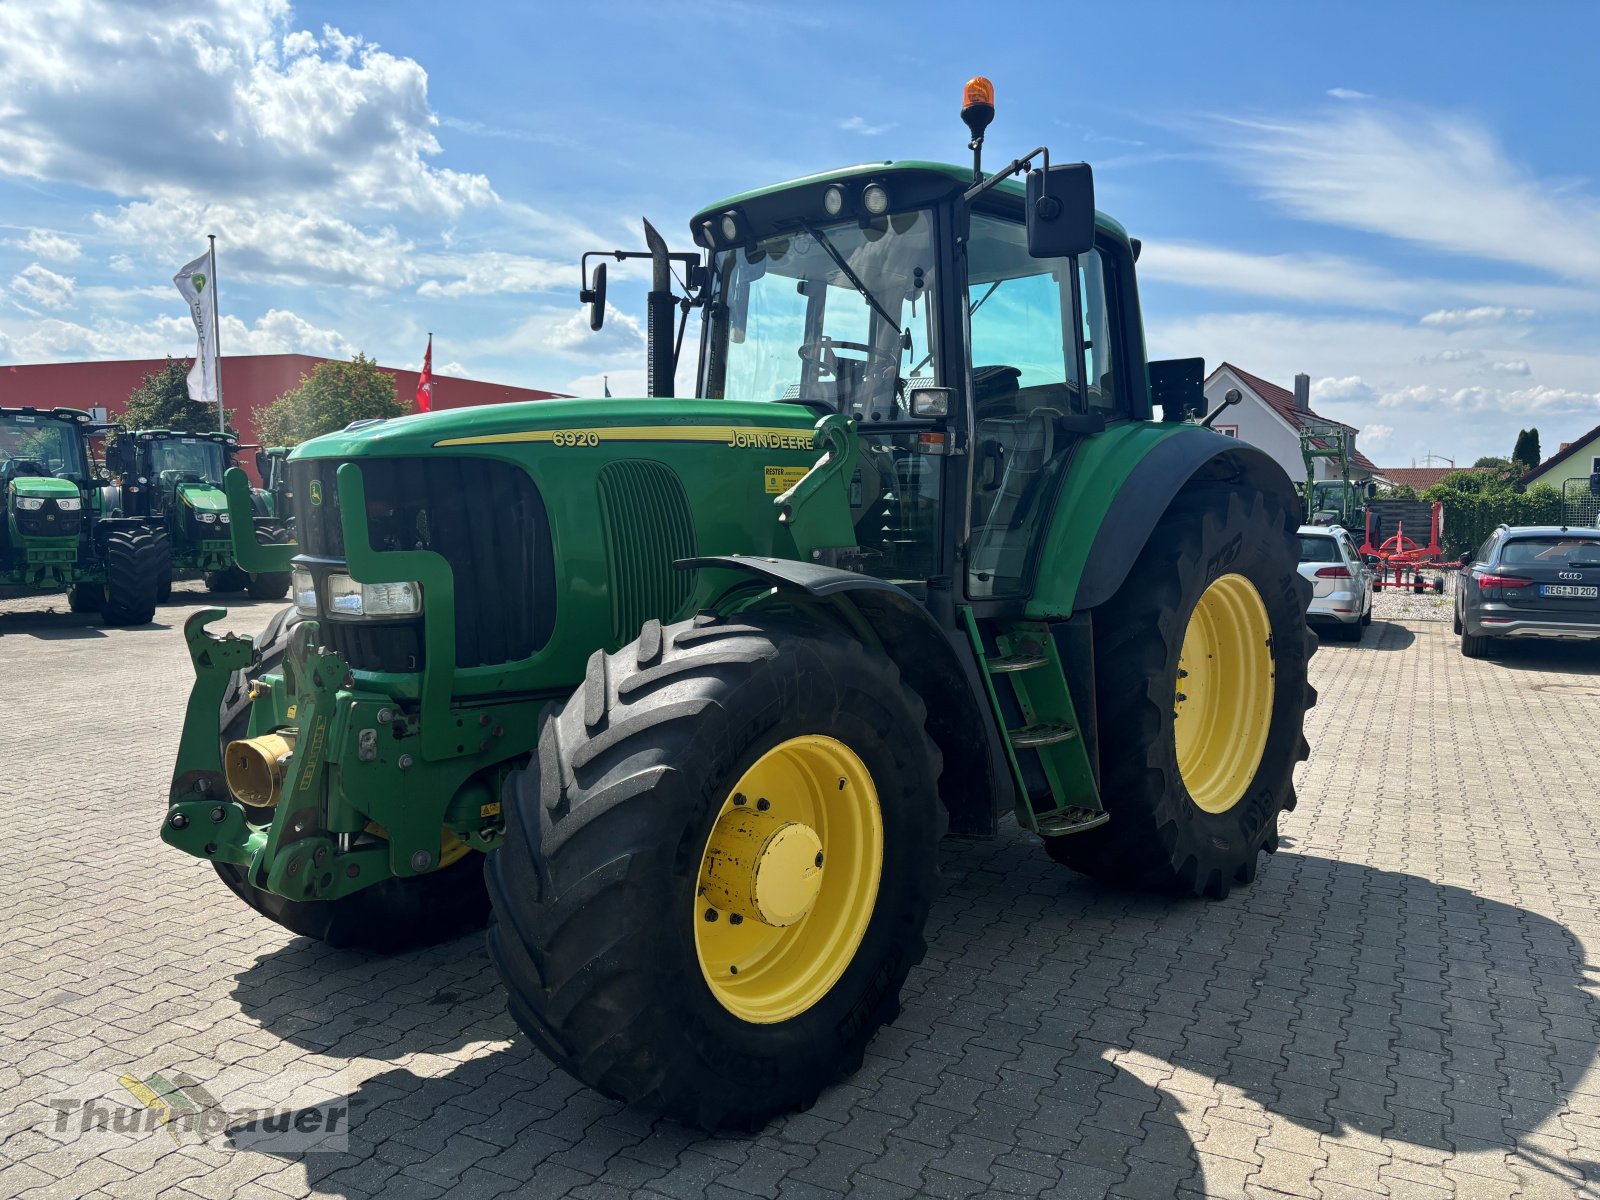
838, 260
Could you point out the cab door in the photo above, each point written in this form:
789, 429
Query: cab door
1042, 338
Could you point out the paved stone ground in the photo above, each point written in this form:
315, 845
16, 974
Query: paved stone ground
1404, 1004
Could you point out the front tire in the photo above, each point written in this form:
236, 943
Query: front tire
133, 562
614, 924
393, 915
1195, 798
229, 579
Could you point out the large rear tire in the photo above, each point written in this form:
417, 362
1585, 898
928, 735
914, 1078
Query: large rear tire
388, 917
269, 585
626, 958
133, 562
1200, 674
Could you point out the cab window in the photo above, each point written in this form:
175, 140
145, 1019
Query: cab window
1099, 348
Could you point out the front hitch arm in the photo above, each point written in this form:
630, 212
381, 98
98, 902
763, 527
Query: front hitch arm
816, 510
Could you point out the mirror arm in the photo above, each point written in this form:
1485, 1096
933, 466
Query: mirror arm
1016, 165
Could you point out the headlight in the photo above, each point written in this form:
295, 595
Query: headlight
206, 518
351, 599
223, 517
69, 503
305, 592
30, 503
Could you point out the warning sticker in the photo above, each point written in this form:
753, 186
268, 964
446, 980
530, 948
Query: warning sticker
781, 479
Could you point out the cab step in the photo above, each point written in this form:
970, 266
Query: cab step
1072, 820
1030, 737
1008, 664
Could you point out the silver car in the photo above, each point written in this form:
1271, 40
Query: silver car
1341, 584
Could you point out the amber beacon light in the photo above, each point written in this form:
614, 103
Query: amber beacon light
977, 104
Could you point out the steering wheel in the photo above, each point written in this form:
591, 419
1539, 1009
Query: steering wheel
821, 354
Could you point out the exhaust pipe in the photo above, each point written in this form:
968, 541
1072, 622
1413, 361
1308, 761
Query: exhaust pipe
256, 767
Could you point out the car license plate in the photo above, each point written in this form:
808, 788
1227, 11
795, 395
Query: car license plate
1570, 590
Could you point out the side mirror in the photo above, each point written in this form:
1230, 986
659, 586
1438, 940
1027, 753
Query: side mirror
1372, 490
263, 464
1466, 558
1060, 211
1370, 559
1178, 385
595, 297
120, 456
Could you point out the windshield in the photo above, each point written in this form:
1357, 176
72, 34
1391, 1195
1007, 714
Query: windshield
39, 446
1314, 548
837, 314
1551, 551
186, 460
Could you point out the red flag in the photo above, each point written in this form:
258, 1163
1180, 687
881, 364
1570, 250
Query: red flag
425, 380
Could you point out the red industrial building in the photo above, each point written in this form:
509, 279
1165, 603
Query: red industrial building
250, 382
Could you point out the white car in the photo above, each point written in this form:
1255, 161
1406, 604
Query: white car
1341, 584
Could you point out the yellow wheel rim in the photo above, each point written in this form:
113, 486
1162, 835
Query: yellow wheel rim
788, 879
1223, 707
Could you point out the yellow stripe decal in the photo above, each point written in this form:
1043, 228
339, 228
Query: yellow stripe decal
737, 436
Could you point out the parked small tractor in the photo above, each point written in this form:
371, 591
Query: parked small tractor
707, 678
173, 481
1341, 500
55, 535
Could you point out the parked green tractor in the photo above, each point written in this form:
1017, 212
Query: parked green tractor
173, 481
275, 496
55, 535
707, 678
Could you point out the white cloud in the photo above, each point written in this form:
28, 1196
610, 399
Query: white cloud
52, 339
1485, 314
108, 96
865, 128
490, 272
1327, 279
1516, 366
1372, 436
1341, 93
121, 263
626, 381
1435, 179
44, 287
1450, 356
47, 243
1336, 390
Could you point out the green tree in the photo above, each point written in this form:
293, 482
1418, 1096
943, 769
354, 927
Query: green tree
1526, 455
328, 399
1494, 460
161, 401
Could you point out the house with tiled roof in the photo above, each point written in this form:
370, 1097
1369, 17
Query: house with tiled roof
1575, 460
1272, 417
1421, 478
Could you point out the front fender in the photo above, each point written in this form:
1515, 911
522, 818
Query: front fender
1120, 484
939, 666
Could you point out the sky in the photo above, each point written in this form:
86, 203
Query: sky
1401, 200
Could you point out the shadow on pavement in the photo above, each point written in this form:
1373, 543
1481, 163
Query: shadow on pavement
1528, 654
1059, 1032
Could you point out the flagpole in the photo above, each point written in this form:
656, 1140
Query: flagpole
216, 334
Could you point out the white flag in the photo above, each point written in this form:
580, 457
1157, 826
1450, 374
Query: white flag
200, 290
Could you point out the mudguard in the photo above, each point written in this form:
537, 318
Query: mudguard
1118, 487
939, 666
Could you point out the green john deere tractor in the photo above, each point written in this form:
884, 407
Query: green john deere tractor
706, 678
56, 534
173, 481
275, 498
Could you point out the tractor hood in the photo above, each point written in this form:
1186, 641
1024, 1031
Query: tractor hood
50, 489
753, 424
203, 497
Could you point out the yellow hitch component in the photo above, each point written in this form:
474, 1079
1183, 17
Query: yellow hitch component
762, 867
256, 767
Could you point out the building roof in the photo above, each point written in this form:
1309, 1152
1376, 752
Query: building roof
1422, 477
1281, 401
1561, 455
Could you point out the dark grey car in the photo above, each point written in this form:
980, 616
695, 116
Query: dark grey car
1529, 582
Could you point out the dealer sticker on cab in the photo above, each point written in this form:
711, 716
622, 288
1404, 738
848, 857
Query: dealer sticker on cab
781, 479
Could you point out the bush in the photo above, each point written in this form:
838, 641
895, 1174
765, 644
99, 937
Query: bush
1471, 516
333, 395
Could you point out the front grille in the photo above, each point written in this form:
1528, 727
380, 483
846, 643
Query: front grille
49, 521
648, 525
485, 517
